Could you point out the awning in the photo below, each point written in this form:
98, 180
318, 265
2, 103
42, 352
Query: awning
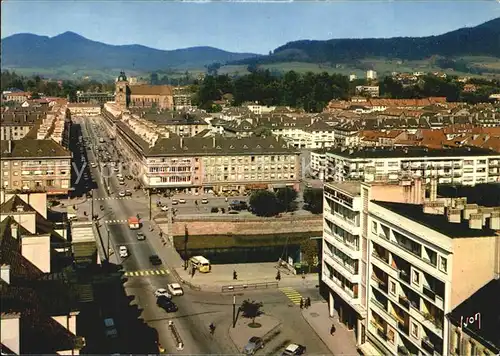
256, 186
368, 349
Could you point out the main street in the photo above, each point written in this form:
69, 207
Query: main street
197, 309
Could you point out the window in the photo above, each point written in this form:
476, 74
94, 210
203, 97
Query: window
443, 264
416, 277
473, 348
414, 330
374, 227
392, 288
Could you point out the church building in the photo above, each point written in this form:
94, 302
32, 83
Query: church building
142, 95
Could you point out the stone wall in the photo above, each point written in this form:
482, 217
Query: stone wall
245, 227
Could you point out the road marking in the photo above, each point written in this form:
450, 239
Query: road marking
116, 221
114, 198
143, 273
292, 294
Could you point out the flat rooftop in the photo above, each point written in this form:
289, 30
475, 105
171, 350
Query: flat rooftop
352, 188
412, 152
485, 302
438, 223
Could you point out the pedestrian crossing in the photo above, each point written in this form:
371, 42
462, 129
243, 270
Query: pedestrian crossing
152, 272
292, 294
114, 198
116, 221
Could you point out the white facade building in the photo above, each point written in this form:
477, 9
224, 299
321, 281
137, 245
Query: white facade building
396, 264
464, 165
371, 74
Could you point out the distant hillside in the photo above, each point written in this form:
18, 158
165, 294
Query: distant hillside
482, 40
71, 49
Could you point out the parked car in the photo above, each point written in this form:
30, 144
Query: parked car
294, 350
162, 292
175, 202
204, 201
164, 208
155, 260
128, 193
254, 344
141, 236
121, 194
166, 304
123, 251
214, 210
175, 289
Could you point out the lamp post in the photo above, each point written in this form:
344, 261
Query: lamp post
150, 206
234, 311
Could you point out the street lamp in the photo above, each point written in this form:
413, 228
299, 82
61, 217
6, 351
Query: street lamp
234, 311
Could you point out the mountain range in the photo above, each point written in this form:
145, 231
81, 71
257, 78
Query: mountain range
26, 50
481, 40
73, 50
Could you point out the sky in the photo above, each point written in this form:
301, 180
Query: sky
255, 27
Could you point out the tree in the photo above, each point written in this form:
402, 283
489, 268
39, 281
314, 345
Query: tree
251, 310
154, 79
286, 198
310, 252
313, 200
264, 203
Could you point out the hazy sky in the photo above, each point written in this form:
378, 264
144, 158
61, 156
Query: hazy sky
241, 27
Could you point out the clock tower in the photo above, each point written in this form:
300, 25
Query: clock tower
121, 91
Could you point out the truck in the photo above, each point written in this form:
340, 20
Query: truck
133, 223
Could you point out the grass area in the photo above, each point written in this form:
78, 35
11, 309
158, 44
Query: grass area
227, 241
73, 73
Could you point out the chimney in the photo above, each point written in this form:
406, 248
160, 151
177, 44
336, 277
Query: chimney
495, 220
14, 230
433, 190
5, 273
470, 209
213, 141
10, 146
434, 207
476, 221
454, 215
181, 142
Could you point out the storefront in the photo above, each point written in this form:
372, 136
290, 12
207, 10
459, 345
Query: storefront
259, 186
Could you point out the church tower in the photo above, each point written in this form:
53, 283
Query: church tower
121, 91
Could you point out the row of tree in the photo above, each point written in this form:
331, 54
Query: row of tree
434, 86
267, 203
66, 89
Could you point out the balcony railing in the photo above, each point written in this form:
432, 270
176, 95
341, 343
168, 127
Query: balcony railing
402, 350
403, 327
380, 283
429, 293
382, 334
436, 321
404, 302
379, 257
405, 276
427, 345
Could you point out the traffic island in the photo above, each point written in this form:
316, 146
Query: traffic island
243, 331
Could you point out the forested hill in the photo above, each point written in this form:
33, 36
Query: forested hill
481, 40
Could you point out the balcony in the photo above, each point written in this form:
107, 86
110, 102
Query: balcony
428, 292
404, 302
405, 276
403, 328
380, 257
402, 350
427, 345
434, 324
380, 284
382, 334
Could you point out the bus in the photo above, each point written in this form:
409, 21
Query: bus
200, 263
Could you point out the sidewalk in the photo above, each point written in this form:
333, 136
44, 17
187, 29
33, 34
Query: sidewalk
343, 341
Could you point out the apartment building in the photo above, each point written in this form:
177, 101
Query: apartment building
182, 98
460, 165
217, 163
317, 163
94, 98
396, 264
85, 108
16, 124
39, 165
475, 323
17, 97
370, 90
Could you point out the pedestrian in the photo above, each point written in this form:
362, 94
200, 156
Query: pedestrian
193, 271
235, 275
278, 276
332, 330
301, 303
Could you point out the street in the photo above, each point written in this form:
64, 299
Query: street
197, 309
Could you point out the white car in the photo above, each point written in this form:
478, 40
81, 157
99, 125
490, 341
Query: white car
93, 165
121, 194
175, 289
123, 251
182, 201
162, 292
204, 201
164, 208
